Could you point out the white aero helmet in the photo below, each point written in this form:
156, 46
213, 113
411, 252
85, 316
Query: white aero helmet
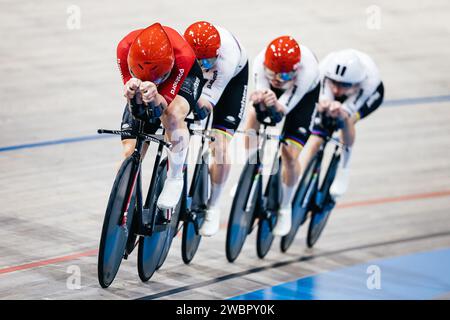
345, 67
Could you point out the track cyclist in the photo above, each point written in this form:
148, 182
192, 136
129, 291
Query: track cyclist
287, 79
159, 67
351, 89
224, 64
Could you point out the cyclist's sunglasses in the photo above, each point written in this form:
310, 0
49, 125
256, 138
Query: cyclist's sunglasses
345, 85
156, 81
207, 63
162, 79
281, 76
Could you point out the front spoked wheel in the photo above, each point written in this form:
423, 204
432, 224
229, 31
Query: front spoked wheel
245, 202
152, 247
196, 215
301, 202
322, 212
117, 222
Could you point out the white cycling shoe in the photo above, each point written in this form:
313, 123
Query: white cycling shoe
171, 193
340, 183
212, 222
283, 225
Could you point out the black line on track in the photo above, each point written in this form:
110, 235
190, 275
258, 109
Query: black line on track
285, 263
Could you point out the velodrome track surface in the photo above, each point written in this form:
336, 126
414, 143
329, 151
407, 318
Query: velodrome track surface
59, 85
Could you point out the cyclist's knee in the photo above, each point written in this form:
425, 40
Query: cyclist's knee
289, 155
128, 147
219, 148
314, 142
175, 113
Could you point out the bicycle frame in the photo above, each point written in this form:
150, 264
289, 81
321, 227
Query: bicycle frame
259, 168
188, 195
146, 220
319, 195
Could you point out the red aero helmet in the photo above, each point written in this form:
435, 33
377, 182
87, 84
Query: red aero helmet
204, 39
282, 55
151, 56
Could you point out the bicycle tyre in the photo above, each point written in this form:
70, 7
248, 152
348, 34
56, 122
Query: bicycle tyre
299, 211
173, 228
114, 237
191, 237
152, 247
240, 221
267, 221
320, 216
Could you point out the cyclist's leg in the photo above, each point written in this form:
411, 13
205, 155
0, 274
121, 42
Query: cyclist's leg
315, 140
251, 126
296, 133
290, 170
178, 134
227, 115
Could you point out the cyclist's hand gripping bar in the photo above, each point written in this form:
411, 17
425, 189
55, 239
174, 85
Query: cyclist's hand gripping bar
200, 113
327, 124
148, 113
268, 115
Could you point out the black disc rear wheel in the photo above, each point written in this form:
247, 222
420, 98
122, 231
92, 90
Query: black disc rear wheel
264, 237
321, 214
300, 203
195, 218
243, 210
152, 247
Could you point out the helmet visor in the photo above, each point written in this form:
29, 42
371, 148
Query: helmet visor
281, 76
344, 85
207, 63
157, 81
162, 79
